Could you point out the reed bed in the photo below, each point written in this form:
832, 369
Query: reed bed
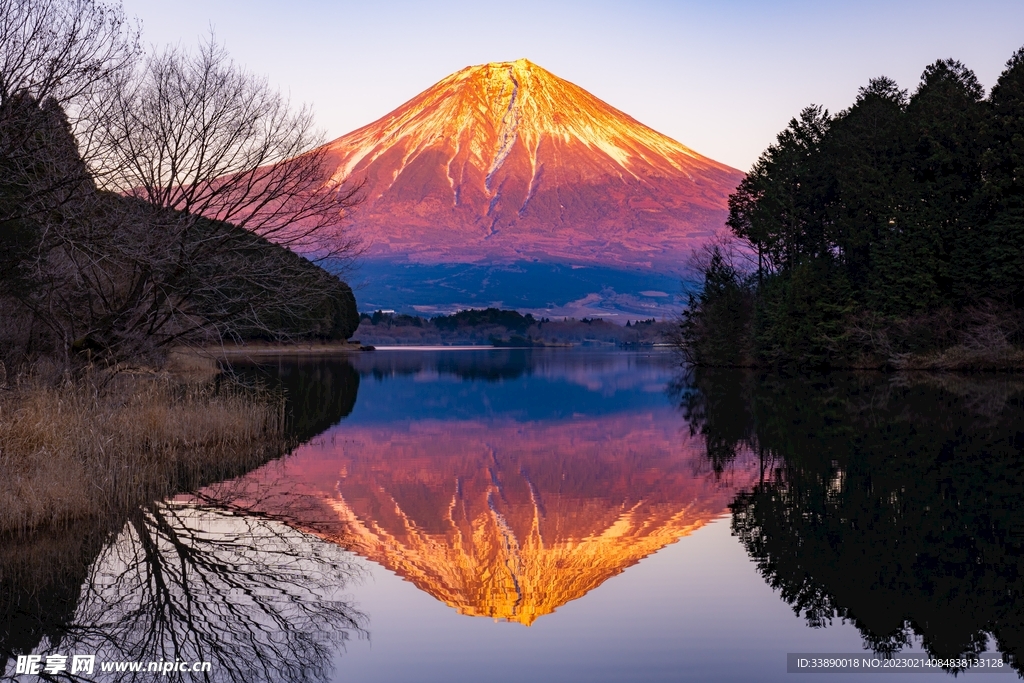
74, 450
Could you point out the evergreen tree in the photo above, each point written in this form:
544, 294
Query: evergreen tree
1003, 166
780, 206
715, 325
935, 236
865, 150
896, 211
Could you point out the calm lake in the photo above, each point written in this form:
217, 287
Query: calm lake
564, 515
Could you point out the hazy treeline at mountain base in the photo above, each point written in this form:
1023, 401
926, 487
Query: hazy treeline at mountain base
890, 234
888, 502
505, 328
142, 205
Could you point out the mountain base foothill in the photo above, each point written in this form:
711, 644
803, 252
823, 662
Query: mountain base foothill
553, 290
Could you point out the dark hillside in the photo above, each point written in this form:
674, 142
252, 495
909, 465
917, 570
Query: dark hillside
268, 279
86, 274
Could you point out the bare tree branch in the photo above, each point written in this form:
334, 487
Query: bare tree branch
193, 132
177, 223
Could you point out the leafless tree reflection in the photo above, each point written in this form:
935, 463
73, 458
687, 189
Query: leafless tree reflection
192, 582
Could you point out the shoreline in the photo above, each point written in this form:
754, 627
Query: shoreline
260, 350
272, 350
908, 364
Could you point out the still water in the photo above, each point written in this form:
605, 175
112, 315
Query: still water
555, 515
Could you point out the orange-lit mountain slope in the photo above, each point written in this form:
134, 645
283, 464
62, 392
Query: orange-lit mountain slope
506, 162
506, 520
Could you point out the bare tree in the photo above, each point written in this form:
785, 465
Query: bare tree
193, 132
175, 223
55, 55
194, 582
66, 50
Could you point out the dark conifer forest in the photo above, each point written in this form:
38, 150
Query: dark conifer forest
890, 234
94, 276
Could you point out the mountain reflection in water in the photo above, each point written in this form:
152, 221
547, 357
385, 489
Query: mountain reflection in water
502, 517
510, 484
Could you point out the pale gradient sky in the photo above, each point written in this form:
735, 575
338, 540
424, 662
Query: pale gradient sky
721, 77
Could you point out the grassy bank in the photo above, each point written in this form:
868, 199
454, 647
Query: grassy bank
963, 358
254, 350
77, 450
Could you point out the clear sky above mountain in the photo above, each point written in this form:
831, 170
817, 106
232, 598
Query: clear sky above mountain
721, 77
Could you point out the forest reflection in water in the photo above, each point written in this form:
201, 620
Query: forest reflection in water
509, 483
894, 503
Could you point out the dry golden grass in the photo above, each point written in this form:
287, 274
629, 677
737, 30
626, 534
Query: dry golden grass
71, 451
190, 365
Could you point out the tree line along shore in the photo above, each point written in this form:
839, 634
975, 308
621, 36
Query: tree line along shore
507, 329
149, 201
889, 235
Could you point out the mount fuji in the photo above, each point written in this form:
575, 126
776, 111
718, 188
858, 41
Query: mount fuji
505, 185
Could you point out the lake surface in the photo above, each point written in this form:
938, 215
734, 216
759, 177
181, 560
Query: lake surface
564, 515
